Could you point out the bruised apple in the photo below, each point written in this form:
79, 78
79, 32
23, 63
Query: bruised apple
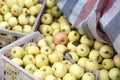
60, 38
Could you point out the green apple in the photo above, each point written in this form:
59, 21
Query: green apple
55, 11
27, 28
42, 43
67, 63
46, 50
114, 74
65, 28
72, 45
47, 70
10, 3
4, 25
33, 49
73, 56
97, 44
17, 52
108, 64
103, 74
21, 3
88, 76
60, 47
81, 32
46, 18
59, 69
23, 19
85, 39
39, 6
116, 59
32, 20
41, 60
39, 74
17, 28
50, 3
7, 16
25, 11
50, 77
12, 21
53, 57
55, 25
29, 3
91, 65
49, 38
17, 61
1, 18
82, 50
16, 10
30, 68
51, 45
55, 32
76, 70
28, 59
73, 36
5, 9
36, 1
107, 51
69, 76
82, 61
33, 10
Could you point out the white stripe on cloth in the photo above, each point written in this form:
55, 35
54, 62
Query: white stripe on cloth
110, 14
76, 10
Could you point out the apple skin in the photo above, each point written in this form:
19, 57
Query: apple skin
65, 28
10, 3
59, 69
33, 10
5, 9
12, 21
41, 60
46, 50
107, 51
114, 74
88, 76
39, 74
46, 18
30, 68
50, 3
108, 64
23, 19
42, 43
4, 25
67, 63
60, 47
17, 28
7, 16
103, 74
60, 38
47, 70
32, 20
17, 61
73, 36
55, 11
82, 61
97, 44
21, 3
1, 18
73, 56
69, 76
116, 59
29, 3
27, 28
55, 25
17, 52
76, 70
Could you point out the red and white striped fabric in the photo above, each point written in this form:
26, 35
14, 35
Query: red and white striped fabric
98, 18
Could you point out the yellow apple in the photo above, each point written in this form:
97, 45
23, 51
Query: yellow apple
47, 70
17, 61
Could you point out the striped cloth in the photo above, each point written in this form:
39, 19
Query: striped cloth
98, 18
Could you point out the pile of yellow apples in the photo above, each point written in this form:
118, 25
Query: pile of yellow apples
66, 53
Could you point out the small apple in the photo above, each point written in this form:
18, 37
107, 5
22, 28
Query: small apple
36, 1
49, 38
21, 3
12, 21
39, 6
60, 38
5, 9
91, 65
65, 28
50, 3
81, 32
16, 10
42, 43
41, 60
46, 50
27, 28
1, 18
88, 76
51, 45
69, 76
67, 63
73, 56
55, 32
73, 36
28, 59
50, 77
72, 45
39, 74
114, 74
76, 70
17, 52
10, 3
108, 64
17, 28
55, 11
60, 47
103, 74
17, 61
47, 70
85, 39
60, 55
7, 16
32, 20
116, 59
107, 51
46, 18
33, 10
25, 11
97, 44
59, 69
4, 25
82, 61
30, 68
82, 50
23, 19
29, 3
